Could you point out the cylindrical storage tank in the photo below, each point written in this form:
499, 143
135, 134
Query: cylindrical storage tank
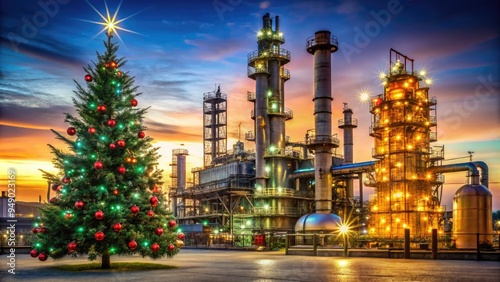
472, 214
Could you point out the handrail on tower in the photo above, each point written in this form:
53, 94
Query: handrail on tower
397, 57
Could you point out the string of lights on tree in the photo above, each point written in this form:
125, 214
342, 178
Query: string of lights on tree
108, 193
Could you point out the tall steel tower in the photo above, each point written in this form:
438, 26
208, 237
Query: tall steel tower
403, 125
321, 139
214, 126
266, 67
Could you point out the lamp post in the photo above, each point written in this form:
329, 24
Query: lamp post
344, 229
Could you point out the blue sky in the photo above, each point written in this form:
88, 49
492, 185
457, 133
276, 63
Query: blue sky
185, 48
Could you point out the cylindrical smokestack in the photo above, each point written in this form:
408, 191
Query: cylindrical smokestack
321, 46
347, 124
277, 23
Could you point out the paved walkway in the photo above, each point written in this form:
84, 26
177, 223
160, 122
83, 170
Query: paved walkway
209, 265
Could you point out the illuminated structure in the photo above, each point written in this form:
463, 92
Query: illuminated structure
403, 122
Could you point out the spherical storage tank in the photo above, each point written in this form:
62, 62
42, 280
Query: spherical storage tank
322, 223
472, 215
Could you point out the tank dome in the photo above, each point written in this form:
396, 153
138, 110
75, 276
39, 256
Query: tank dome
472, 190
318, 222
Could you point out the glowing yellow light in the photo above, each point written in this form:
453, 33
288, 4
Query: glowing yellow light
386, 139
414, 177
398, 137
388, 228
268, 33
259, 33
110, 23
372, 230
387, 198
404, 225
410, 80
382, 220
410, 147
386, 120
384, 178
427, 123
419, 208
364, 96
383, 169
423, 72
382, 75
398, 164
344, 229
426, 198
281, 34
406, 84
398, 220
419, 137
384, 82
375, 208
425, 218
428, 81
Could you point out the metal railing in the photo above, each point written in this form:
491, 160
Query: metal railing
284, 73
269, 53
256, 70
352, 121
250, 96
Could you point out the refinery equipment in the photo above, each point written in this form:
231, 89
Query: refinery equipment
285, 186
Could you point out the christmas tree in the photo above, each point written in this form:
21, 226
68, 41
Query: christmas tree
109, 199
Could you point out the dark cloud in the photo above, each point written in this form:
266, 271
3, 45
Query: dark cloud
29, 117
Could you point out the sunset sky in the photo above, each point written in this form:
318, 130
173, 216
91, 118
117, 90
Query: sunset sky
182, 49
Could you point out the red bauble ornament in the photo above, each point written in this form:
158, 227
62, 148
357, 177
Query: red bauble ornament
134, 209
120, 143
35, 230
159, 231
172, 223
88, 78
154, 201
141, 134
53, 200
115, 192
34, 253
66, 180
55, 187
117, 227
91, 130
133, 103
42, 229
122, 170
151, 213
180, 236
99, 236
79, 205
101, 109
378, 102
71, 131
111, 122
112, 146
99, 215
106, 65
171, 247
113, 64
42, 257
72, 246
98, 165
132, 245
68, 215
155, 247
119, 73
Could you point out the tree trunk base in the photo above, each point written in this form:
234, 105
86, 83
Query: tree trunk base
106, 261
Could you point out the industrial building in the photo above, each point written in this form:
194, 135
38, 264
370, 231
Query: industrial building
303, 186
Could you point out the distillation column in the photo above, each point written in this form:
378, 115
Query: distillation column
214, 126
403, 124
322, 141
265, 66
178, 178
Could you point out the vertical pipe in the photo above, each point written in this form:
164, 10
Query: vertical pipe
261, 129
407, 243
434, 243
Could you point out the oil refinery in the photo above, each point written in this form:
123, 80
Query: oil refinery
287, 186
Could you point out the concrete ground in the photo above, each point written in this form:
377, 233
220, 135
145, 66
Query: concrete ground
212, 265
